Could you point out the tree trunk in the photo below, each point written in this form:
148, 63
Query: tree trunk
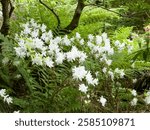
75, 21
5, 10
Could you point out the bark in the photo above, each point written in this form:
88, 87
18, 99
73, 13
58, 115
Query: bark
7, 9
75, 21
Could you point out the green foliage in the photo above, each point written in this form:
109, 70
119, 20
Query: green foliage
136, 12
41, 89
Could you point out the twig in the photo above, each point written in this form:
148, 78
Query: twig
57, 17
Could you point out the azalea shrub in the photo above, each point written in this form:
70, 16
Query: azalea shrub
71, 74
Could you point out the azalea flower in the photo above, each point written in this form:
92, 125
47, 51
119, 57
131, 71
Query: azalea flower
104, 36
35, 33
98, 40
2, 92
133, 92
78, 36
20, 52
48, 61
8, 99
37, 59
104, 70
43, 28
60, 58
91, 37
111, 74
81, 41
134, 80
134, 102
79, 72
83, 88
73, 54
147, 98
82, 57
102, 100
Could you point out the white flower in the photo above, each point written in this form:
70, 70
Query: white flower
134, 102
43, 28
104, 70
44, 37
82, 57
53, 48
134, 80
108, 62
111, 74
117, 43
87, 101
81, 41
95, 82
27, 30
148, 93
111, 51
121, 46
130, 48
147, 98
50, 34
48, 61
16, 63
107, 42
73, 54
78, 36
89, 78
98, 40
83, 88
20, 52
96, 73
102, 100
33, 23
9, 100
79, 72
35, 33
91, 37
66, 41
133, 92
90, 45
60, 58
18, 76
38, 43
1, 14
88, 96
120, 72
21, 43
37, 59
104, 36
2, 92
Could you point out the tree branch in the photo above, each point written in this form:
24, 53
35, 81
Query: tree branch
105, 9
11, 8
57, 17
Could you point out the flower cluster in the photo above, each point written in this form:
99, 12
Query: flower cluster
38, 45
5, 97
